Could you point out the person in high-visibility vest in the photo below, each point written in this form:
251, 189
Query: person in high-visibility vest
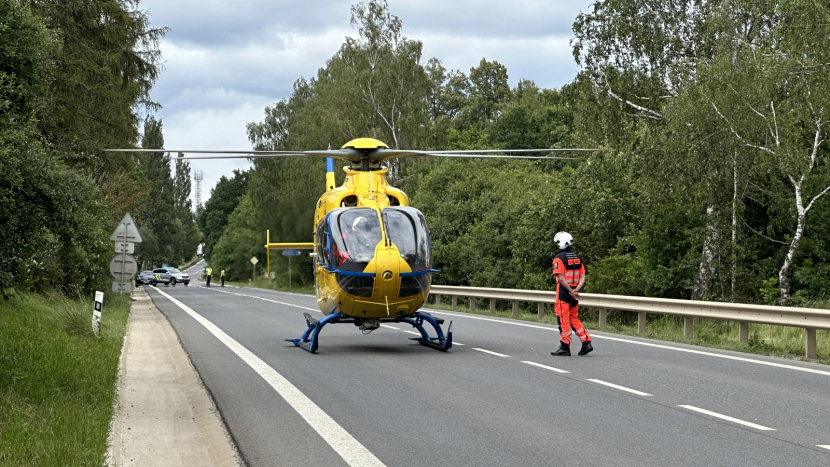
570, 277
222, 276
208, 271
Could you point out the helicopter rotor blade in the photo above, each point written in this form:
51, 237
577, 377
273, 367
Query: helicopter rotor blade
383, 154
346, 154
504, 156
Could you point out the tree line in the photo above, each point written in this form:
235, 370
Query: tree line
713, 186
75, 78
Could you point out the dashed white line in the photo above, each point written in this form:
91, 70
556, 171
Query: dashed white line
726, 417
491, 352
647, 344
412, 332
825, 446
546, 367
350, 449
621, 388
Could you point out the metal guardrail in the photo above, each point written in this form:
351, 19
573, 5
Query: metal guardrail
808, 318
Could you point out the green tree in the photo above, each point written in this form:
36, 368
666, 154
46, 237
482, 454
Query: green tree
159, 215
51, 229
224, 198
241, 240
773, 94
108, 61
189, 237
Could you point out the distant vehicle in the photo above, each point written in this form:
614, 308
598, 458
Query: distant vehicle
178, 276
145, 277
161, 277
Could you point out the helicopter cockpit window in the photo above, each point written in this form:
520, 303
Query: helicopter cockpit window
355, 233
321, 247
407, 229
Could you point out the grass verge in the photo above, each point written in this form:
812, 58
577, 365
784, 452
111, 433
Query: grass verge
779, 341
57, 380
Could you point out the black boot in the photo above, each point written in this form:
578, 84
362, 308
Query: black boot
586, 348
564, 350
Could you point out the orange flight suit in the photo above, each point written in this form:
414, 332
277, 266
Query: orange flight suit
566, 307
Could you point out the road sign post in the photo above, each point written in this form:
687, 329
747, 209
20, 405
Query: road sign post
254, 261
125, 237
290, 253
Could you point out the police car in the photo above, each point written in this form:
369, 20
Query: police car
178, 276
161, 277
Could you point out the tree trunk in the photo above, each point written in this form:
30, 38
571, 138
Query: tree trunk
784, 273
710, 244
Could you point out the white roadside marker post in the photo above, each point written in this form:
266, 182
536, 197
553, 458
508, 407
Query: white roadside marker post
96, 312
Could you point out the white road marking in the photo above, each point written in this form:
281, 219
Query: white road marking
647, 344
491, 353
413, 332
265, 299
621, 388
725, 417
350, 449
825, 446
545, 367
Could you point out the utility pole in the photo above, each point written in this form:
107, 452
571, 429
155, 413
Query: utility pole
198, 176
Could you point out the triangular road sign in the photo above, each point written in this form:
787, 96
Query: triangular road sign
126, 228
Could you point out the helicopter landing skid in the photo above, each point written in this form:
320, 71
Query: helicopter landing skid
440, 343
310, 338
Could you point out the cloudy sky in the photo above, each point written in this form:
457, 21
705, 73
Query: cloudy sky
226, 60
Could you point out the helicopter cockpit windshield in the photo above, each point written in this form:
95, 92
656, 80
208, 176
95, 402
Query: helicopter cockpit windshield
407, 229
355, 233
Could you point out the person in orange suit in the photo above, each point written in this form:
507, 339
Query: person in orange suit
570, 277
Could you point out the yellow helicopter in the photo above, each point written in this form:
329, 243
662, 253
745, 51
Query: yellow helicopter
372, 251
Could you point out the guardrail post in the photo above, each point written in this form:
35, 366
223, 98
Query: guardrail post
743, 332
541, 311
515, 308
603, 317
472, 304
810, 334
437, 300
493, 305
688, 326
641, 322
454, 303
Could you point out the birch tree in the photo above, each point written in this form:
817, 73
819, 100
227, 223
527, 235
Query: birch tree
774, 96
387, 71
643, 61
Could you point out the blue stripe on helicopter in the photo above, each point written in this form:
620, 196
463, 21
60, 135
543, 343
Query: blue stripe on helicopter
418, 273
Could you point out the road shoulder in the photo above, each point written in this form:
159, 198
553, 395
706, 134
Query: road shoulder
165, 416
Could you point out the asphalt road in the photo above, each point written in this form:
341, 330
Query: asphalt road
488, 402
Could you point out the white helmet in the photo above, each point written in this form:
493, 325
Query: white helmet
563, 240
357, 222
